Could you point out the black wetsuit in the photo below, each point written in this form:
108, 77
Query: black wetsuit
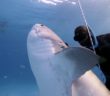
103, 50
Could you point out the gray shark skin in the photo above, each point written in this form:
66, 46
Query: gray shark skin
60, 70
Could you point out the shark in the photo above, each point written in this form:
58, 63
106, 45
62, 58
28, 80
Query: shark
61, 70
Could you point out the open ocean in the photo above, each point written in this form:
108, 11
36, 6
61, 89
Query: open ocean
16, 20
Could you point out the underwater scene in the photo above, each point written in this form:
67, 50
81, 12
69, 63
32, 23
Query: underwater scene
17, 18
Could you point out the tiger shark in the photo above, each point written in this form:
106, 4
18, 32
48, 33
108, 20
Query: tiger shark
61, 70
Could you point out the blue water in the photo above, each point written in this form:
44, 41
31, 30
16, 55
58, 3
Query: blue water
16, 20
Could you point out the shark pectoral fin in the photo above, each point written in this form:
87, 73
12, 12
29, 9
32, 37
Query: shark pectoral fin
76, 60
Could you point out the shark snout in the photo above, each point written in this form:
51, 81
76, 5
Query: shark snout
38, 27
36, 30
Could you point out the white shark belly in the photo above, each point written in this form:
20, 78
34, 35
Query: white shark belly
56, 71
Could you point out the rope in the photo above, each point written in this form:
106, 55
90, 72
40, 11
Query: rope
84, 17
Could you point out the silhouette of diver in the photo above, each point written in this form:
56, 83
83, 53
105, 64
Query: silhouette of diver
102, 48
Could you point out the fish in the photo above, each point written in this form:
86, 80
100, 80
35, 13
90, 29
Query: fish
61, 70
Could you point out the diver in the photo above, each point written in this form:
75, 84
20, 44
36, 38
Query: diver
101, 45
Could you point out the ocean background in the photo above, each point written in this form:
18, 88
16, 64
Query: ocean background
16, 20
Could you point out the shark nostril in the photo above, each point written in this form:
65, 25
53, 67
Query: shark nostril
42, 25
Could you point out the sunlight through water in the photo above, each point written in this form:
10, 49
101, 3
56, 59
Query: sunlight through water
56, 2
